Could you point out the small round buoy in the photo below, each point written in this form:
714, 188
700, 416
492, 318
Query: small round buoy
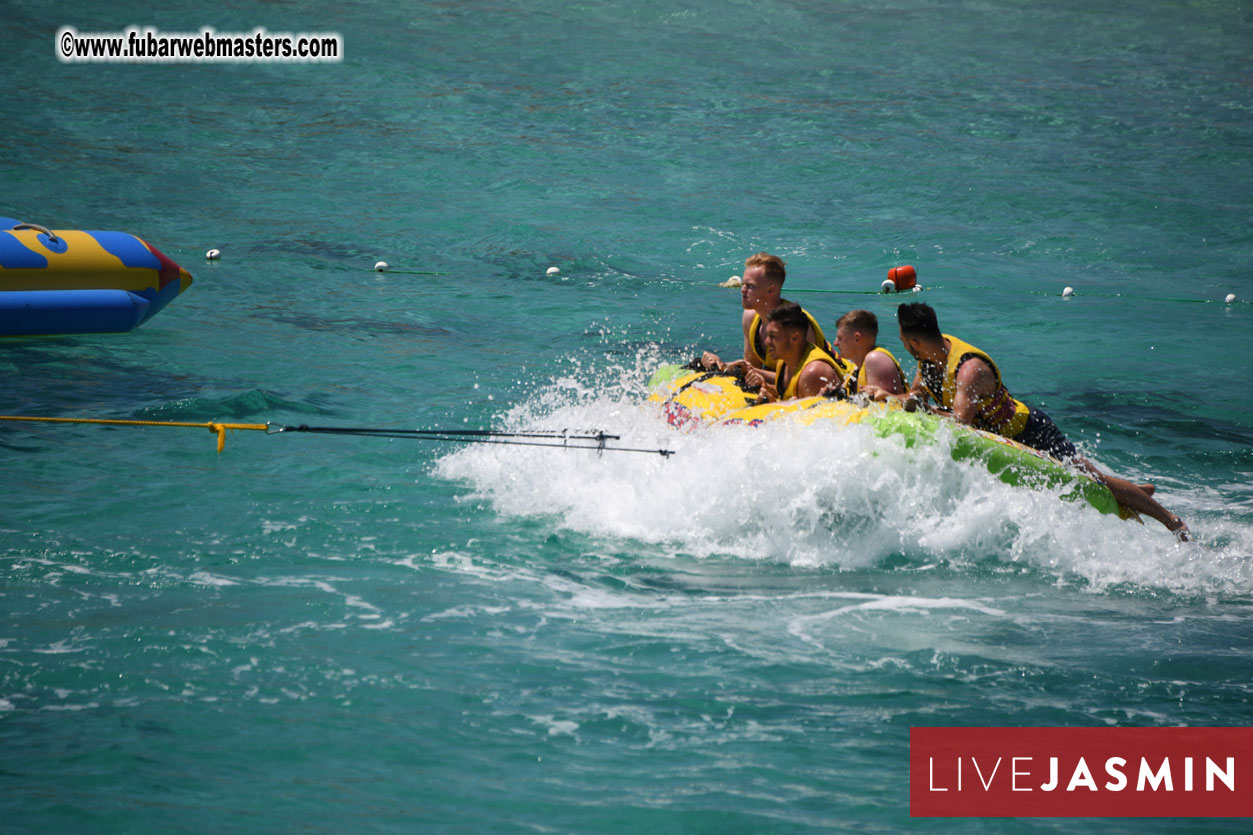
1231, 297
904, 277
380, 267
888, 286
1068, 292
553, 271
733, 281
917, 288
213, 255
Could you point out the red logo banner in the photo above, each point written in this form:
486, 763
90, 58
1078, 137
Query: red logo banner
1081, 772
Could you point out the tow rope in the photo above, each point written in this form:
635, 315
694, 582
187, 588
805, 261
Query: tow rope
568, 439
560, 439
217, 428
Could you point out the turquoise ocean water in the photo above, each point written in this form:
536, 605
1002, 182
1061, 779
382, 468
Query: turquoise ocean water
328, 634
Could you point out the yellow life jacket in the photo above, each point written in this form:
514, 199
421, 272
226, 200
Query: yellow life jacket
843, 369
769, 360
859, 382
1001, 414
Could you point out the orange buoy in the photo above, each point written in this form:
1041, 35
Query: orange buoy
903, 277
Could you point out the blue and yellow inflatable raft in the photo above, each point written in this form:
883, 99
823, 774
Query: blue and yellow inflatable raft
691, 400
61, 282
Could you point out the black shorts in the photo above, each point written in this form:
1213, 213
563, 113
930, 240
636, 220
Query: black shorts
1042, 434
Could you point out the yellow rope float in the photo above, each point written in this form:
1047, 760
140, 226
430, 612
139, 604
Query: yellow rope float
218, 429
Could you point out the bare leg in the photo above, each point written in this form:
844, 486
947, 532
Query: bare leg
1136, 498
1149, 489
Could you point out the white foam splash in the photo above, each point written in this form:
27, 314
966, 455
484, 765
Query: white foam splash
821, 495
205, 578
802, 626
556, 727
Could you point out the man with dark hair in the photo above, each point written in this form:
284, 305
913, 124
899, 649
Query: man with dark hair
760, 293
918, 318
878, 372
965, 380
803, 369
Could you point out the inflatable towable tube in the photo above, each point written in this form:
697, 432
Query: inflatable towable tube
61, 282
690, 400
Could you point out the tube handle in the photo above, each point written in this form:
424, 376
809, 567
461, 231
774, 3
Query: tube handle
44, 229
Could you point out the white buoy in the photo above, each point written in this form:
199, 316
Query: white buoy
917, 288
553, 271
1231, 297
888, 286
1068, 292
381, 267
733, 281
213, 255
